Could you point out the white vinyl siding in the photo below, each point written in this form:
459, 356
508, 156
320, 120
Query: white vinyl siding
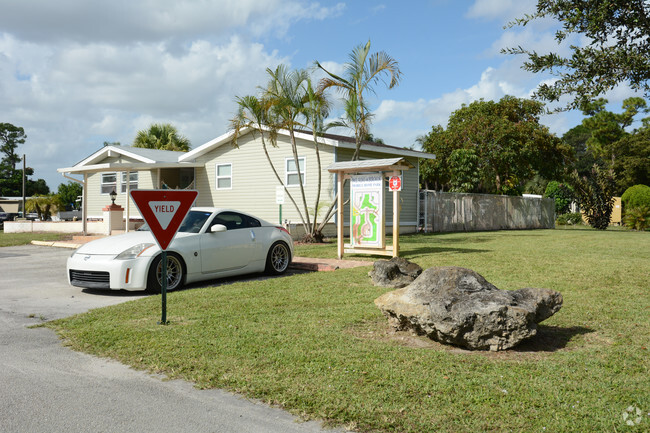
224, 176
109, 182
291, 171
254, 182
96, 202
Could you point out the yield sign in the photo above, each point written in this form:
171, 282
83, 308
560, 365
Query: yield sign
164, 211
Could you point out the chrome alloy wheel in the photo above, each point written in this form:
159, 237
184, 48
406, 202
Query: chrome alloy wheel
279, 257
174, 272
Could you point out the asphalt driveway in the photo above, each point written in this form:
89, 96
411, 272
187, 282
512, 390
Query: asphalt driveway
45, 387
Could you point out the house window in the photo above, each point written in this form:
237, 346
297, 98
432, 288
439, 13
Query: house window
224, 176
292, 171
109, 182
133, 181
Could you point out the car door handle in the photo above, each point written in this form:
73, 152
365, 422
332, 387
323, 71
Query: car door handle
252, 236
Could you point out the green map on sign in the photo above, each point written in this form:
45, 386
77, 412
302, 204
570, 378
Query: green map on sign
365, 218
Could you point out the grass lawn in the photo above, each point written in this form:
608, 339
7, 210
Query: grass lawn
14, 239
316, 344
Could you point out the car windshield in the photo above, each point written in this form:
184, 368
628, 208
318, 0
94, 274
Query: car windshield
192, 223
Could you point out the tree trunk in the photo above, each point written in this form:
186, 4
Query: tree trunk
315, 232
302, 188
268, 157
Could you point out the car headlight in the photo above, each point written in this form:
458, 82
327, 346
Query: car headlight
133, 252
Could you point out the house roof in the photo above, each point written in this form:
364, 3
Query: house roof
326, 139
138, 153
144, 159
3, 198
148, 159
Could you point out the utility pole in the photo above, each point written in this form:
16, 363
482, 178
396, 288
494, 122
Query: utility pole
24, 168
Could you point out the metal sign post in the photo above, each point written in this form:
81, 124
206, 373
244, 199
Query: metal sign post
279, 199
163, 289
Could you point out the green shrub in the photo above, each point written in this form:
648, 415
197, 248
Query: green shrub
562, 194
569, 219
595, 193
636, 196
637, 218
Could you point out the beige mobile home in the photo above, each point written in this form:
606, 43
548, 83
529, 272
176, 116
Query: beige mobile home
240, 177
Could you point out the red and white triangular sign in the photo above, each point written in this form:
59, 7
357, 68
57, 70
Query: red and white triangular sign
163, 210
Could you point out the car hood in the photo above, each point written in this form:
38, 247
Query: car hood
113, 245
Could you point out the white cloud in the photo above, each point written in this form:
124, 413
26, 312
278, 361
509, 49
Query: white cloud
125, 21
400, 122
75, 73
72, 99
505, 10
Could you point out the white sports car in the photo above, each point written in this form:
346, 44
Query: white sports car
210, 243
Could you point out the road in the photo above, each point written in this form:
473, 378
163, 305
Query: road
45, 387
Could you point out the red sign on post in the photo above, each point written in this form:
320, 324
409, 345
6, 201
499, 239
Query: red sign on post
395, 183
164, 211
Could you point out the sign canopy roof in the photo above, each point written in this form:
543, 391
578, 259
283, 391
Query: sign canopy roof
388, 164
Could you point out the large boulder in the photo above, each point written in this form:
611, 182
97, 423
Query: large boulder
396, 272
458, 306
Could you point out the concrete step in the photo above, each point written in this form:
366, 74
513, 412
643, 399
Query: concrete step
320, 265
83, 239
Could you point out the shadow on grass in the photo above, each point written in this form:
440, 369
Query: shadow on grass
443, 238
418, 252
551, 338
242, 279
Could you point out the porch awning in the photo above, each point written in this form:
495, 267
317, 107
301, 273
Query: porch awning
388, 164
127, 166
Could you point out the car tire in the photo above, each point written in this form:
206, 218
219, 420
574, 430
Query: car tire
175, 273
278, 258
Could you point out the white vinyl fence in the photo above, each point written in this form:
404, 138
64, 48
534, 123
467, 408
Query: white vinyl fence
457, 212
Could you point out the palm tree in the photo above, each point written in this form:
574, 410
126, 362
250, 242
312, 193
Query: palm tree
289, 102
162, 136
286, 92
43, 205
253, 113
362, 72
317, 108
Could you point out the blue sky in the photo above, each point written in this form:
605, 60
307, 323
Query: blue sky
75, 73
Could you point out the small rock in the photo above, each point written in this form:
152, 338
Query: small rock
396, 272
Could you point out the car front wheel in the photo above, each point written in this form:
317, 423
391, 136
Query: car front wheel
175, 274
278, 259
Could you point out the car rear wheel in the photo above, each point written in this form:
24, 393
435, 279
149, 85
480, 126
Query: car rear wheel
278, 259
175, 274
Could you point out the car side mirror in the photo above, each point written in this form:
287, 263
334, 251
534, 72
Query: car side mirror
218, 228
